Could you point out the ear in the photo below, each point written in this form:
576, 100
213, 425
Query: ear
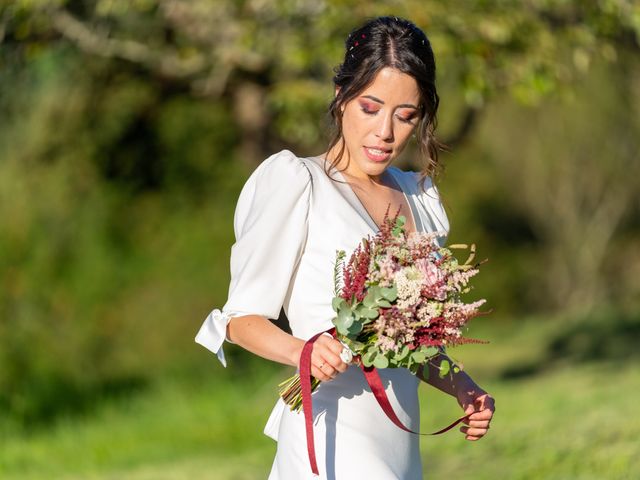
337, 90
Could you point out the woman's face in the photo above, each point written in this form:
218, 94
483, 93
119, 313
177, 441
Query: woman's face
377, 124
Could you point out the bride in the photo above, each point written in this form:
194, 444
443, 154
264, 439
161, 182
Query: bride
294, 213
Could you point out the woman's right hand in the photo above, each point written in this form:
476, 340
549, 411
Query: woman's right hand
325, 358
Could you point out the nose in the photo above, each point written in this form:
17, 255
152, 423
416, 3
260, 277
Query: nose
385, 128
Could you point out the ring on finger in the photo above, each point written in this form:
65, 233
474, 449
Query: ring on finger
346, 355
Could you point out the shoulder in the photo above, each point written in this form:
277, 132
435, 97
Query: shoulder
426, 193
281, 168
280, 185
281, 175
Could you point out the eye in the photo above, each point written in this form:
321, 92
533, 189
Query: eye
407, 118
367, 109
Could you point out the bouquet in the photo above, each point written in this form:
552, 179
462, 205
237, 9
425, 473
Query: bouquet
398, 302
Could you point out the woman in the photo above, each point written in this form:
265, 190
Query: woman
294, 213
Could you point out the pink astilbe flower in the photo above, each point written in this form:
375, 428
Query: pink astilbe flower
356, 271
383, 271
394, 329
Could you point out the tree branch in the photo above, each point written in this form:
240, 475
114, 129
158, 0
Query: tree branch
91, 42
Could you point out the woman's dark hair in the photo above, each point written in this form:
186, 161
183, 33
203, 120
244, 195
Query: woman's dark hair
397, 43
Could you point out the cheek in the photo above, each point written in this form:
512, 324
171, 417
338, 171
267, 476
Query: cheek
352, 126
406, 131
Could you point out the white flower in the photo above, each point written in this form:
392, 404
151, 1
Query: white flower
409, 285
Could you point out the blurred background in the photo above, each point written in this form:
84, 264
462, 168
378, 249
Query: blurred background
128, 127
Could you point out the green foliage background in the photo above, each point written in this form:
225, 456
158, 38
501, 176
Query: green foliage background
128, 128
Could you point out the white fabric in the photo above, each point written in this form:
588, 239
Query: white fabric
290, 220
213, 333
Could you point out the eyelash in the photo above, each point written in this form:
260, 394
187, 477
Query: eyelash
371, 112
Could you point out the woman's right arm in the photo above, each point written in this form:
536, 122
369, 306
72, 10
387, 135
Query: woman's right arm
270, 225
260, 336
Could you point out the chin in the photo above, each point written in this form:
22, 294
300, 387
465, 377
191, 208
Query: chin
375, 168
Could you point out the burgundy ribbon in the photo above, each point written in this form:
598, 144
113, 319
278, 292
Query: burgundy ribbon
375, 383
307, 406
373, 379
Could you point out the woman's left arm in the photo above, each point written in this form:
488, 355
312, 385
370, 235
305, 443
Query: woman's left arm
473, 399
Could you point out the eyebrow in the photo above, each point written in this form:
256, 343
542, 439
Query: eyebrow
404, 105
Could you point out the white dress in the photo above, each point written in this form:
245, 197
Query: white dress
290, 220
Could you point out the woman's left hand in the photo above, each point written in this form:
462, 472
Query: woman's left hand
481, 406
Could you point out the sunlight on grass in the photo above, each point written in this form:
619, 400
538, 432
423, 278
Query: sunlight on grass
571, 422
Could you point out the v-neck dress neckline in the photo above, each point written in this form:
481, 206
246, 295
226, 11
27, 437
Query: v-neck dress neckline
362, 210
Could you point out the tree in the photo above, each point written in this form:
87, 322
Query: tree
270, 62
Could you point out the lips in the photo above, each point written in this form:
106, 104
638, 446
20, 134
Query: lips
377, 154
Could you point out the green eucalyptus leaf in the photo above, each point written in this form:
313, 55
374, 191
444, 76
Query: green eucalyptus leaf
355, 328
346, 316
376, 293
430, 351
337, 303
343, 321
445, 366
402, 354
384, 304
369, 300
390, 293
369, 357
381, 361
370, 313
418, 356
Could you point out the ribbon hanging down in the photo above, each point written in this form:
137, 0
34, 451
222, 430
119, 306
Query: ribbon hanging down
373, 380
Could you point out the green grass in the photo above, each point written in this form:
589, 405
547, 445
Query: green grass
568, 422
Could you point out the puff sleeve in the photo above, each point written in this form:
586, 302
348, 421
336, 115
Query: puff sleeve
270, 226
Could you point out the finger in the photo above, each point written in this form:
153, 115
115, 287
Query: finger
329, 371
321, 373
482, 415
328, 358
327, 341
485, 401
342, 367
320, 367
336, 362
469, 409
336, 347
332, 358
478, 423
474, 432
